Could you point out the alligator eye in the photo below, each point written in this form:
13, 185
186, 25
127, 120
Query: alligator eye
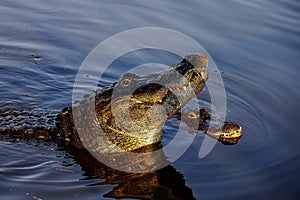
192, 115
125, 82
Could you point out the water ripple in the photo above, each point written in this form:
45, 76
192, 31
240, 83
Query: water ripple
34, 5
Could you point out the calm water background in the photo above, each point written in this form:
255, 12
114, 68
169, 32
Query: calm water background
255, 43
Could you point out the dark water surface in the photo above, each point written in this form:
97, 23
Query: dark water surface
255, 43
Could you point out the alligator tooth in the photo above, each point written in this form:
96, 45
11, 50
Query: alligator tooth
184, 88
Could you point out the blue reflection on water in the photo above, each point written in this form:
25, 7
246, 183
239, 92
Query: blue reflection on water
256, 45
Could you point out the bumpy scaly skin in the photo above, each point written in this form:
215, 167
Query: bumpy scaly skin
23, 124
103, 116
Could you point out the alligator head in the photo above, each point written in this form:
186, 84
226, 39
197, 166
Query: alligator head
130, 113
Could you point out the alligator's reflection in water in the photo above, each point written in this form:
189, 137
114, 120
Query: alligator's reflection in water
165, 183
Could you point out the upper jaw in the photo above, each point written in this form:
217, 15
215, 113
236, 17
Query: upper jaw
188, 75
184, 80
193, 65
197, 60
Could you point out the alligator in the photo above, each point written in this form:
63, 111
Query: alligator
150, 101
127, 115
